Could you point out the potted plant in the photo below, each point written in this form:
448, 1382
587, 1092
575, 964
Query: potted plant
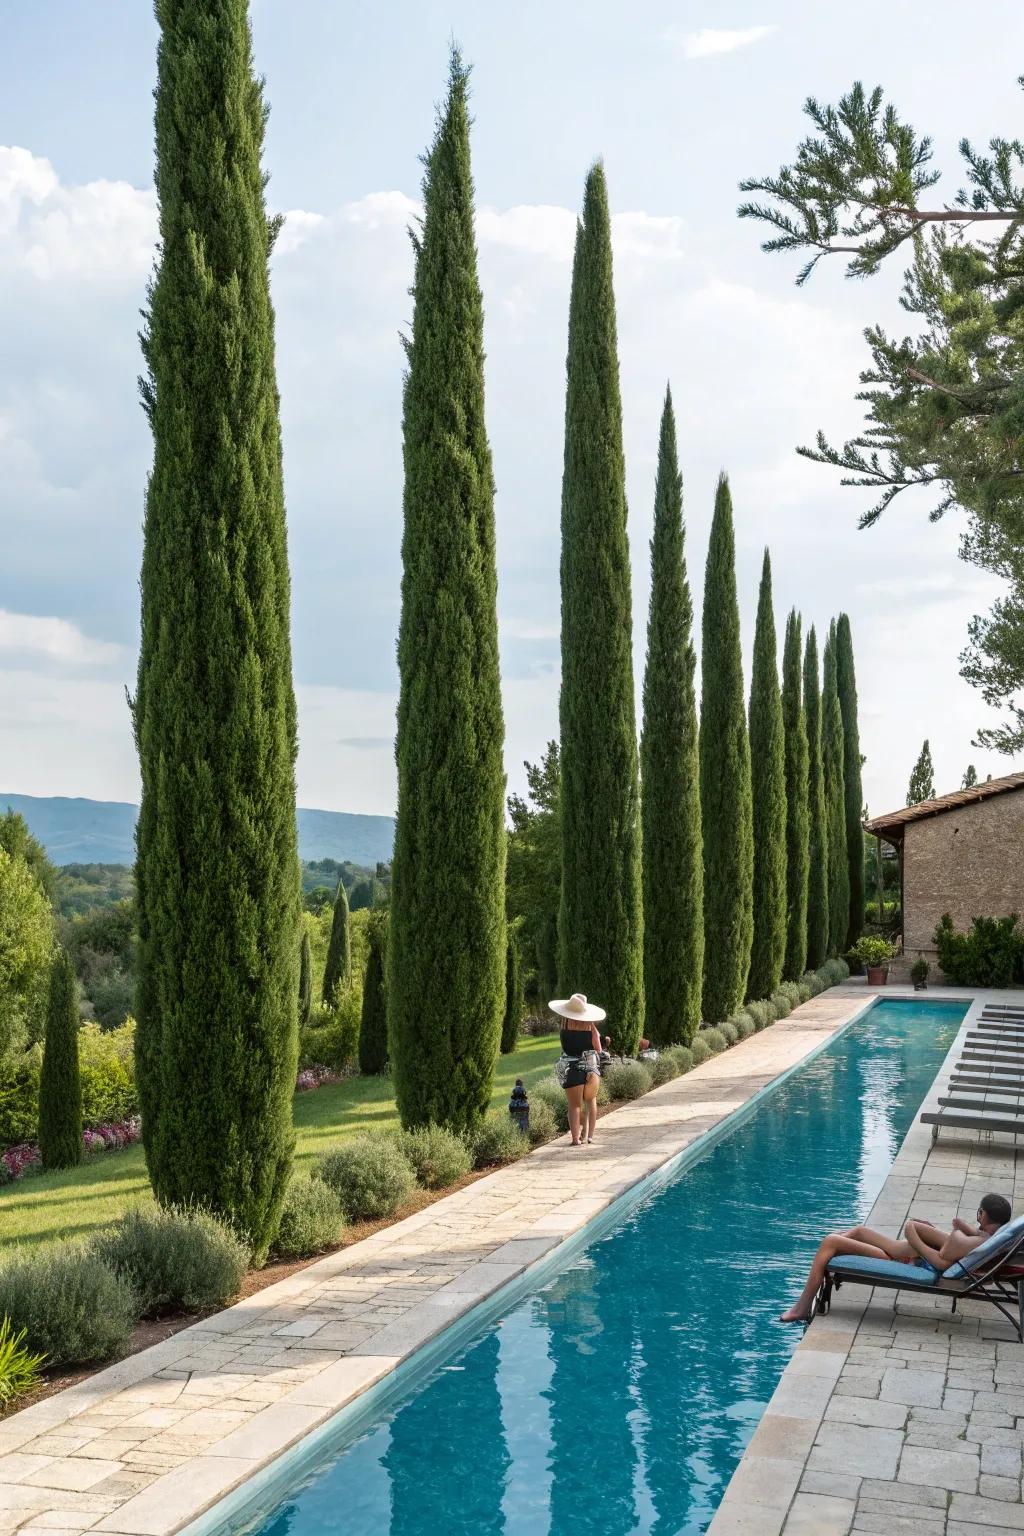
874, 952
919, 973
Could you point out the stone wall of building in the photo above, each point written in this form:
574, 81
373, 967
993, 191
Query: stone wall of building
968, 862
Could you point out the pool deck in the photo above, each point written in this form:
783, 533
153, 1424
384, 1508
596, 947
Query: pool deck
895, 1415
148, 1445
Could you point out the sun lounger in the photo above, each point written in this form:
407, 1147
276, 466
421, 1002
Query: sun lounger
1012, 1087
991, 1273
985, 1100
971, 1120
975, 1054
995, 1042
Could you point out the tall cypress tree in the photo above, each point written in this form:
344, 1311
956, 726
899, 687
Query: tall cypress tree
794, 723
601, 918
217, 873
373, 1025
338, 964
846, 682
673, 860
446, 946
305, 979
768, 786
514, 1004
725, 792
832, 761
922, 780
817, 855
60, 1086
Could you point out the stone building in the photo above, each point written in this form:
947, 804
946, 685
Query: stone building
962, 854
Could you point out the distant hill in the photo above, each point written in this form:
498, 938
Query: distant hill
103, 831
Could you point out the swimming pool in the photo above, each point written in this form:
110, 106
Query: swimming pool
621, 1393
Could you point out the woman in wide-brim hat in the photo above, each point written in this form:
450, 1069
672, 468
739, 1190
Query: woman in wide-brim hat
581, 1043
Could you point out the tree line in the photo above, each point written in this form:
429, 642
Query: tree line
703, 855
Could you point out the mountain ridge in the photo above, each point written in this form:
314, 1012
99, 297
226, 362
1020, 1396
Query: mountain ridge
77, 830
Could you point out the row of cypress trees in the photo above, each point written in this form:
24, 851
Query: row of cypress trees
723, 901
214, 711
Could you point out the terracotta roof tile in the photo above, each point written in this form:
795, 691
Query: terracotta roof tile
936, 807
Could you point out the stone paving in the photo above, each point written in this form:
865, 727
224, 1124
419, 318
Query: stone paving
146, 1446
896, 1415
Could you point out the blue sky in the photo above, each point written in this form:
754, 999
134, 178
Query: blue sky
681, 100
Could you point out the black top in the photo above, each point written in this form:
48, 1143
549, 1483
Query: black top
576, 1041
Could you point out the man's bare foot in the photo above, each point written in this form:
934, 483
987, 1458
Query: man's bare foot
794, 1315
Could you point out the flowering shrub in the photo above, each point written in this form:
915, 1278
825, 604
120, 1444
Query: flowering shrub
25, 1158
316, 1076
21, 1159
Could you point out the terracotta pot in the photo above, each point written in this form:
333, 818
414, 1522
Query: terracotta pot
878, 975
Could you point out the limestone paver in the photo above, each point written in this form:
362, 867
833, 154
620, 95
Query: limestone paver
920, 1426
192, 1418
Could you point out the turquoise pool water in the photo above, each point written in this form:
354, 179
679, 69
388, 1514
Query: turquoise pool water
620, 1395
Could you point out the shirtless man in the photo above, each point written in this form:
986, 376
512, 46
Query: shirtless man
922, 1241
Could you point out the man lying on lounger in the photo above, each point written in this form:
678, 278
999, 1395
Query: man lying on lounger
922, 1243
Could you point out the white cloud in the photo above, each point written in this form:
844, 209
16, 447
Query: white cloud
382, 209
714, 40
535, 229
646, 237
54, 639
99, 229
298, 227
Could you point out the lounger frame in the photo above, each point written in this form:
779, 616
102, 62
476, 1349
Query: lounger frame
989, 1285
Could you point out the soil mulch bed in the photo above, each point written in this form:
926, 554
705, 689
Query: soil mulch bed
155, 1330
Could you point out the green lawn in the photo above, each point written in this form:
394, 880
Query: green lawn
77, 1201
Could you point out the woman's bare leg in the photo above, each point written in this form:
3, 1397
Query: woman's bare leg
836, 1242
575, 1097
590, 1101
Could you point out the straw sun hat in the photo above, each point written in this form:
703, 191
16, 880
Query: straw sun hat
577, 1007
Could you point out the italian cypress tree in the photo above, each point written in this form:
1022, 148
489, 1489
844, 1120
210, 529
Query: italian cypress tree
673, 859
60, 1087
970, 777
217, 873
514, 1003
832, 761
725, 792
846, 681
922, 780
446, 946
338, 965
305, 979
794, 723
373, 1025
768, 786
601, 918
817, 856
